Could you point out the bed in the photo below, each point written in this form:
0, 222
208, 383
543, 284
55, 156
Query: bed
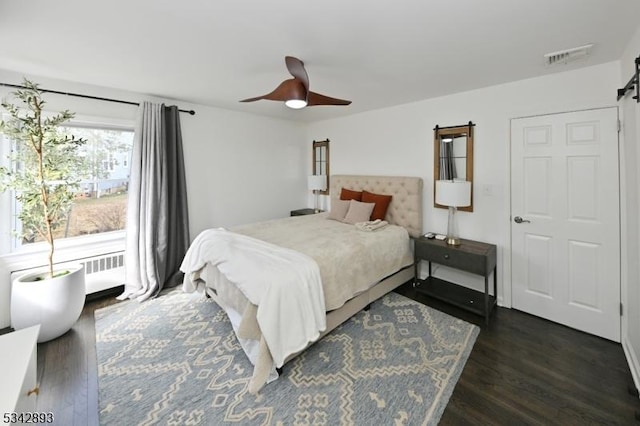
356, 267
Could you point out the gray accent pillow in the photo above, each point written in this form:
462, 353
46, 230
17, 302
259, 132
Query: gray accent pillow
358, 212
339, 209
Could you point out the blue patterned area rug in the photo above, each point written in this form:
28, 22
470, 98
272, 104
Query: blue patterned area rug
175, 360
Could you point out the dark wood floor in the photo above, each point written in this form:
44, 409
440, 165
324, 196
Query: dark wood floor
68, 371
522, 370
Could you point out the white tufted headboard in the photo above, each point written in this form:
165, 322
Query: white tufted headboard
406, 205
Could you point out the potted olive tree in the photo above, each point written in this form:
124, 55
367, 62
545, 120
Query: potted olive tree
44, 172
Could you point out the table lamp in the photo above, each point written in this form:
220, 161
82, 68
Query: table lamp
453, 194
317, 183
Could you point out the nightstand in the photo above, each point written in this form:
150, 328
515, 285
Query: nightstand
302, 212
470, 256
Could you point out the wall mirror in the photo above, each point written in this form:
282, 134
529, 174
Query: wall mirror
453, 157
321, 161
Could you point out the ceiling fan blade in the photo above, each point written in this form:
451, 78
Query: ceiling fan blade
296, 68
318, 99
253, 99
288, 89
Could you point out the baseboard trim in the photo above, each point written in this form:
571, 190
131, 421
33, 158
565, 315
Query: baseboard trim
632, 360
113, 291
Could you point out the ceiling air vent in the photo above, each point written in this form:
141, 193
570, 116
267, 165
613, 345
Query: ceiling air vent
567, 55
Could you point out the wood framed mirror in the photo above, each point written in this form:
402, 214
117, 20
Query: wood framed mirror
321, 161
453, 157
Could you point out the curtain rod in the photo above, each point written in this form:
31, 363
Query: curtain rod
634, 82
470, 124
98, 98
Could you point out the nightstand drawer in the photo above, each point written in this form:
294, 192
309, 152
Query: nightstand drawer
469, 256
442, 256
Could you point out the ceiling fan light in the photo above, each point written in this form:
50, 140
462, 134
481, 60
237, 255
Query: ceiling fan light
296, 103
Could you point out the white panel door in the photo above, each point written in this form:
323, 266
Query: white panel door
565, 227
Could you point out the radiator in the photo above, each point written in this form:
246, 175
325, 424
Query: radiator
101, 272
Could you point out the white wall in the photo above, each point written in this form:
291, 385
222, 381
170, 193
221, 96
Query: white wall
630, 211
240, 167
399, 141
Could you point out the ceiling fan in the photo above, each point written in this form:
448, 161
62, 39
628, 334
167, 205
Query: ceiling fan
295, 92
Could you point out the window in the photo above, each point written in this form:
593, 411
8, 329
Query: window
321, 161
100, 203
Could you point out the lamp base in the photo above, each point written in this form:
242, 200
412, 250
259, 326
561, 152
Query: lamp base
452, 228
453, 241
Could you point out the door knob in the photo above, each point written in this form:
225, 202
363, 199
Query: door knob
518, 219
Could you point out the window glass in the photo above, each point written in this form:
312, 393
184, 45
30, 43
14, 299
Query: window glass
101, 201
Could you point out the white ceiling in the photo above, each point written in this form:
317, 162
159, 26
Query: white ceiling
377, 53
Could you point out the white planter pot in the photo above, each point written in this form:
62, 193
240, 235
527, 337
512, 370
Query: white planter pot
54, 303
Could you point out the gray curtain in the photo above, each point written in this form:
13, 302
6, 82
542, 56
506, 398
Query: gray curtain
157, 217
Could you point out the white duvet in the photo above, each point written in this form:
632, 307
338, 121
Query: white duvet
284, 284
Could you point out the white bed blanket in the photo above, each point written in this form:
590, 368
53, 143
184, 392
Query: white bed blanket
284, 284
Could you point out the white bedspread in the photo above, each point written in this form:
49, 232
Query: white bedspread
284, 284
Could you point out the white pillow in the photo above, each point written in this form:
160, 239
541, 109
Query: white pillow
358, 212
339, 209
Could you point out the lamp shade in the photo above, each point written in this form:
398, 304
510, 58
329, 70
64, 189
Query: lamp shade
317, 182
453, 193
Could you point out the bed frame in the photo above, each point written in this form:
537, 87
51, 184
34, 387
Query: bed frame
404, 210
